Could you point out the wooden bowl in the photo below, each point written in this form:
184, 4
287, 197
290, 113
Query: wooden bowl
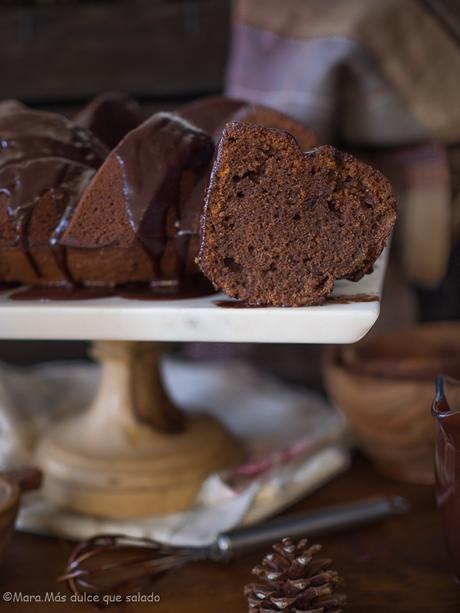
385, 387
12, 484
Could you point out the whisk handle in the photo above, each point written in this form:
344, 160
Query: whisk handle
320, 521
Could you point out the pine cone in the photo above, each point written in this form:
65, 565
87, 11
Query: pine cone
293, 580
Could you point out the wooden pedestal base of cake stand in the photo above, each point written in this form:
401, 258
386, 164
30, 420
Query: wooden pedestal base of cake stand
132, 453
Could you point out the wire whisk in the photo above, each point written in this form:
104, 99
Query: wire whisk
117, 564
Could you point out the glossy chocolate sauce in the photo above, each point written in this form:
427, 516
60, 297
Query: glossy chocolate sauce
155, 162
26, 186
73, 292
238, 304
45, 163
26, 134
190, 288
74, 180
352, 299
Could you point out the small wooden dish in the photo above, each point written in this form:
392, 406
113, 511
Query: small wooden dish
385, 386
12, 484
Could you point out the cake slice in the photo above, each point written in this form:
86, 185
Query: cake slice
211, 114
280, 225
127, 226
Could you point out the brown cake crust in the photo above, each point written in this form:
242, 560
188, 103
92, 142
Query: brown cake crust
279, 225
127, 226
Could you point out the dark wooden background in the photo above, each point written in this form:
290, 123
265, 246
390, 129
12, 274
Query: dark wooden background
158, 50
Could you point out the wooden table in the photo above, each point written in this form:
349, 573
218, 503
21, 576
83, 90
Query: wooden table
398, 566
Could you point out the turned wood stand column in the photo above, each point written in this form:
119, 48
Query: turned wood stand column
132, 453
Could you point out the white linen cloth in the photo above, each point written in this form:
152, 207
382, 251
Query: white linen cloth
295, 443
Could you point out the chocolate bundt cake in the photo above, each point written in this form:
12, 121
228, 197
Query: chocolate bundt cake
110, 116
280, 225
128, 225
46, 162
212, 113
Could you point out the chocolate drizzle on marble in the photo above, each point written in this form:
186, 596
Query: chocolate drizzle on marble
191, 288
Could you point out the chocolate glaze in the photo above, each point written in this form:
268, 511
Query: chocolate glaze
62, 293
237, 304
192, 288
74, 180
43, 155
188, 288
351, 299
153, 162
26, 134
23, 184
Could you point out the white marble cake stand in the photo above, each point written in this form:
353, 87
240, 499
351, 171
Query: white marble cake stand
132, 453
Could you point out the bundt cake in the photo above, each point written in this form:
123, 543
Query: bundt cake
46, 162
128, 225
280, 225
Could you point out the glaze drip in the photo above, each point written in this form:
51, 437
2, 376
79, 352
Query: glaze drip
159, 170
27, 187
27, 134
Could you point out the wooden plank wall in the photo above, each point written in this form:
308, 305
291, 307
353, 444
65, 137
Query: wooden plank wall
153, 49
